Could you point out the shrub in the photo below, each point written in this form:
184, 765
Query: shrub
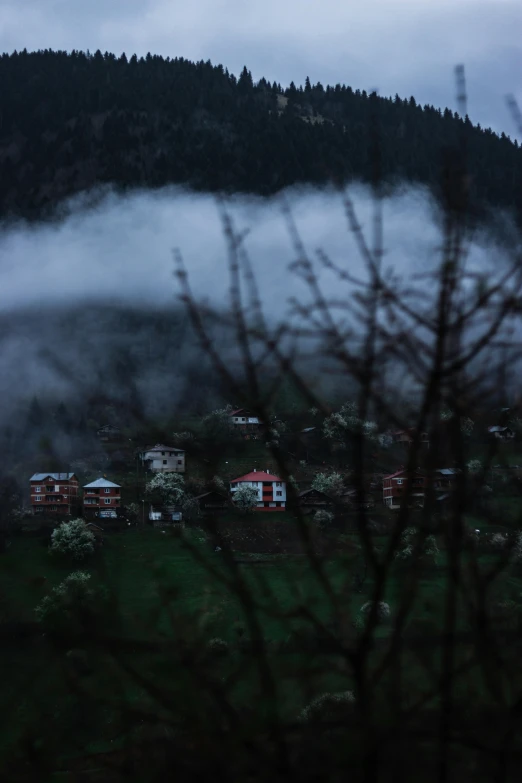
517, 549
323, 518
190, 508
328, 707
383, 610
330, 483
73, 539
408, 546
65, 603
217, 646
474, 466
499, 541
246, 498
169, 486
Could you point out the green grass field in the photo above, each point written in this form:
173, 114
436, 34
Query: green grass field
165, 590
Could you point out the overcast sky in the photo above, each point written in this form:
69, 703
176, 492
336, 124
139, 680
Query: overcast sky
404, 46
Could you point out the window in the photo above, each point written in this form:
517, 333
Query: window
107, 501
37, 489
49, 488
107, 490
279, 494
180, 462
162, 453
243, 419
164, 461
38, 497
399, 481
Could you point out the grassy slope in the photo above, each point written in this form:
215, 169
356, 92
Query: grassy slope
134, 564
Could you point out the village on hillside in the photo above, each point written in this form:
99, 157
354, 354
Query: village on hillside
226, 467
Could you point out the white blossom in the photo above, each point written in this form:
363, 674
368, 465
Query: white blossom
474, 466
328, 707
329, 483
246, 498
383, 609
170, 486
73, 539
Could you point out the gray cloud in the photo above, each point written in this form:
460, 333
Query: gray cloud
405, 47
88, 303
121, 248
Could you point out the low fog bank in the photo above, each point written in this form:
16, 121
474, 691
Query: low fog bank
89, 308
113, 247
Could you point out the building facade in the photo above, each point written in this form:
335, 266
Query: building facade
395, 488
109, 433
245, 420
407, 437
165, 515
163, 459
55, 493
271, 490
212, 502
101, 498
312, 500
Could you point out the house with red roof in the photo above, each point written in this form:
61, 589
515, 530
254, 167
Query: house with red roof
271, 490
395, 487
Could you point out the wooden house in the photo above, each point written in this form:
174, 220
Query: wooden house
312, 500
212, 502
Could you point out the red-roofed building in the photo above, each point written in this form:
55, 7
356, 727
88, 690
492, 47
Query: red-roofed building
395, 487
271, 490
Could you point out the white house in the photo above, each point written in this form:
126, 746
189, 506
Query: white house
271, 490
163, 459
164, 515
245, 419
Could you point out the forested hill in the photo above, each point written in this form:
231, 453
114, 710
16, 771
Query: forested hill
72, 121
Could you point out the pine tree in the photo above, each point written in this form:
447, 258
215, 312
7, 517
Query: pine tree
245, 83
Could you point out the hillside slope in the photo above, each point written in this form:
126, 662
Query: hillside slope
69, 122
